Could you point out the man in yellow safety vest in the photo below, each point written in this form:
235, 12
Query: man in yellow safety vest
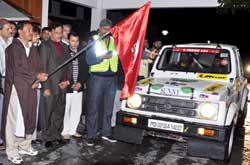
102, 59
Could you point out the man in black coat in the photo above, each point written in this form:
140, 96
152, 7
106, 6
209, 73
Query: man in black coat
23, 67
53, 53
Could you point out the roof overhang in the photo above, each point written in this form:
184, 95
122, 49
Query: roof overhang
10, 13
134, 4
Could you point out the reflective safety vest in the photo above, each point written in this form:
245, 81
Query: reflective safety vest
100, 50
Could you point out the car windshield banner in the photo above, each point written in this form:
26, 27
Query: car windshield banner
197, 50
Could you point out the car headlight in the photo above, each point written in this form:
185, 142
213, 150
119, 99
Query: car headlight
134, 101
208, 111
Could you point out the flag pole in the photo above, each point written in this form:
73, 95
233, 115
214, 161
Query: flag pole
76, 55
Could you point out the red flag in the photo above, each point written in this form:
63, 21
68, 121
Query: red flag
129, 36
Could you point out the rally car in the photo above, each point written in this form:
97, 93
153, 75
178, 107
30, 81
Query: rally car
196, 93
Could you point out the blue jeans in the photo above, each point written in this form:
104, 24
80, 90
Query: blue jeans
100, 89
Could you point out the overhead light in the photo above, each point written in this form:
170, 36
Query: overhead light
164, 32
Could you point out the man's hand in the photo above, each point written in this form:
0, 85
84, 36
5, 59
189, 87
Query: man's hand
35, 85
76, 86
63, 84
107, 55
42, 77
46, 93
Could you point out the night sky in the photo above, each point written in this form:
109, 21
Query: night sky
196, 25
185, 25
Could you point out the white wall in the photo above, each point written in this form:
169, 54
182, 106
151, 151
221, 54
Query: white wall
45, 13
100, 7
130, 4
127, 4
97, 14
87, 3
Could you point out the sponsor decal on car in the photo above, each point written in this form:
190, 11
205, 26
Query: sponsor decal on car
183, 80
175, 83
169, 91
197, 50
212, 76
214, 87
145, 81
186, 90
138, 88
156, 86
237, 83
203, 96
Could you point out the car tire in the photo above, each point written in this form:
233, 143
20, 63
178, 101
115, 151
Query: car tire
242, 115
229, 144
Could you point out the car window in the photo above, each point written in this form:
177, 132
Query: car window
195, 60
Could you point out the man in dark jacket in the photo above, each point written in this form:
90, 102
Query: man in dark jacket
78, 76
23, 67
53, 53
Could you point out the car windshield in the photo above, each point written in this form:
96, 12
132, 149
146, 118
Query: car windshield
195, 60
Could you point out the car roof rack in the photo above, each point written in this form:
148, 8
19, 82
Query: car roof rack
218, 46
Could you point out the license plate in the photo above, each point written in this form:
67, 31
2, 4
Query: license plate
165, 125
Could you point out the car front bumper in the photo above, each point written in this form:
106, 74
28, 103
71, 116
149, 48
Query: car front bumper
188, 129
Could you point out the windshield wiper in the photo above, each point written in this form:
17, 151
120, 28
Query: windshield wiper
196, 61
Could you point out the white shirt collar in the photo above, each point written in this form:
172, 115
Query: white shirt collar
66, 42
27, 50
30, 43
5, 44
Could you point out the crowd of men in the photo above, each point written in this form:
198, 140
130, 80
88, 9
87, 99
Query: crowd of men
32, 99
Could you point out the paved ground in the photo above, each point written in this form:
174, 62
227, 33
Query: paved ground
152, 151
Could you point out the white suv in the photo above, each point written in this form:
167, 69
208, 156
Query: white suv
196, 93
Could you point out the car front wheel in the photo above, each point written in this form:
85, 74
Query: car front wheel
229, 143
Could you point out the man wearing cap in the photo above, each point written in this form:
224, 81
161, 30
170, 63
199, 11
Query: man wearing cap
102, 59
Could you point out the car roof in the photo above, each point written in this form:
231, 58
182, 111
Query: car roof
202, 45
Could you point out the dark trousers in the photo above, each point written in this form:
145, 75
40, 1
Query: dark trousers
41, 115
100, 89
54, 115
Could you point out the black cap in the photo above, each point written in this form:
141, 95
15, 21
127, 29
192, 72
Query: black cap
105, 22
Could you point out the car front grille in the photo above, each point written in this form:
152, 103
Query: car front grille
178, 107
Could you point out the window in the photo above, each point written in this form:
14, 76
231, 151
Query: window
195, 60
68, 9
